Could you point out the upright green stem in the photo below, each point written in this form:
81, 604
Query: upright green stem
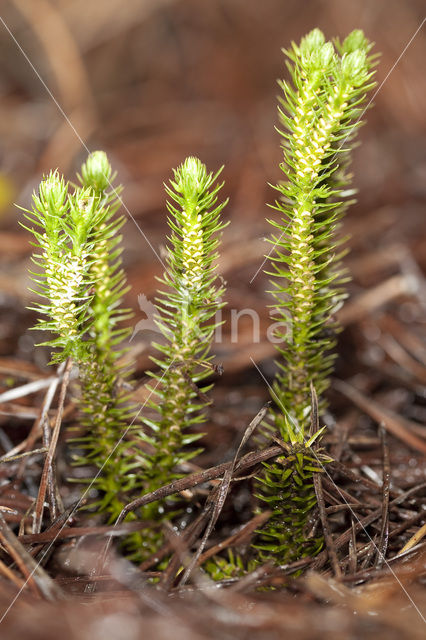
186, 320
321, 113
82, 282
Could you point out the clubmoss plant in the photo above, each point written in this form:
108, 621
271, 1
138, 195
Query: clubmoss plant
186, 311
107, 412
81, 282
321, 111
76, 231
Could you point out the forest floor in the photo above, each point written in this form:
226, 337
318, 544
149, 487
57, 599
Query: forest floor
186, 89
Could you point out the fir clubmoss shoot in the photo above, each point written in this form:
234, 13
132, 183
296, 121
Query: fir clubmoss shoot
320, 113
186, 311
81, 281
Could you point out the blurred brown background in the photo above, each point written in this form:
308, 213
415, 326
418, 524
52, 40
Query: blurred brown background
151, 81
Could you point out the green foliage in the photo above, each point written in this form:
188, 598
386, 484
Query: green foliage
186, 310
81, 282
286, 486
320, 113
107, 412
64, 236
80, 279
186, 320
228, 567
